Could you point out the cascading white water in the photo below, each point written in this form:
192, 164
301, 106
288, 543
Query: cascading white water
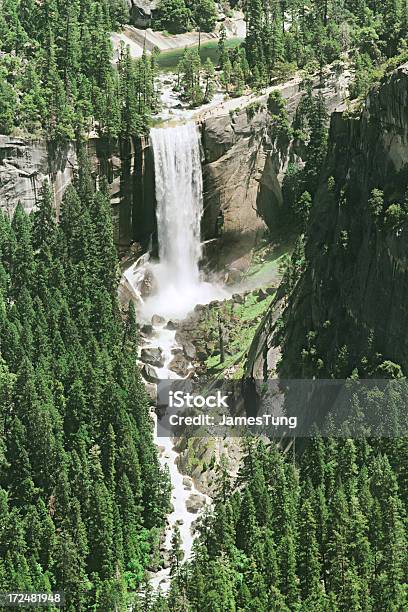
176, 289
179, 197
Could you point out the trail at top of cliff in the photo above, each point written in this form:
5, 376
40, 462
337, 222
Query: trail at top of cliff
176, 279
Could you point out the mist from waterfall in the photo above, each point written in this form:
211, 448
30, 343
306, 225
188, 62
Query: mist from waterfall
179, 198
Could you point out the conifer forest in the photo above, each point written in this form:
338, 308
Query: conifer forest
203, 192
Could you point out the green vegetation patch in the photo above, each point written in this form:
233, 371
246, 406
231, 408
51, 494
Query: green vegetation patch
167, 61
239, 323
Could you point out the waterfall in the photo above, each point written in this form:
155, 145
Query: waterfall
176, 283
179, 196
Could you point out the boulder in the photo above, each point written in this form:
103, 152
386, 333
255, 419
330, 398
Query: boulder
261, 295
147, 286
189, 350
195, 503
179, 365
158, 321
146, 330
172, 325
187, 482
152, 356
165, 564
233, 277
141, 12
182, 336
149, 373
151, 390
238, 299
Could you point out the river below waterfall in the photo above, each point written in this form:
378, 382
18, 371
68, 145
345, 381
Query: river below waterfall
177, 286
183, 487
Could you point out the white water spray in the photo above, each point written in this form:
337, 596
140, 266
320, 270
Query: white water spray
179, 197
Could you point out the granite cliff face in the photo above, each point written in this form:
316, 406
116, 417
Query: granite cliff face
25, 164
245, 165
349, 307
243, 169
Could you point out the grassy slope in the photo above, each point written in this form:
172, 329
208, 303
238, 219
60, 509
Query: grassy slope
244, 319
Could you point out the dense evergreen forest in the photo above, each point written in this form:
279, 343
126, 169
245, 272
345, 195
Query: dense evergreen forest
322, 532
56, 72
82, 495
316, 32
284, 36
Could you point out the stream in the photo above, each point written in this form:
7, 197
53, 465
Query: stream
177, 285
182, 487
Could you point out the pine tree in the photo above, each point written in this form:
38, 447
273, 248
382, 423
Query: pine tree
173, 15
209, 74
253, 40
23, 265
44, 226
309, 563
176, 553
247, 529
222, 49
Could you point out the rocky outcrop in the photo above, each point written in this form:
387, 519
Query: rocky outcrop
348, 311
179, 365
25, 164
245, 165
152, 356
195, 503
141, 12
150, 374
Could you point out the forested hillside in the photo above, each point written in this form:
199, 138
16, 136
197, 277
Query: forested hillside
56, 72
81, 493
318, 31
285, 35
324, 532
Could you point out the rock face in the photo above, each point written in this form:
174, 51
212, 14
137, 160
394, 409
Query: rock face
349, 305
150, 373
25, 164
141, 12
244, 168
189, 350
